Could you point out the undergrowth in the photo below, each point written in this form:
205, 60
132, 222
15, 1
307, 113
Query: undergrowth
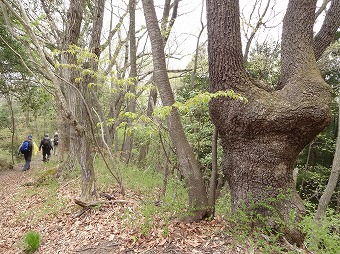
146, 185
157, 211
45, 189
324, 236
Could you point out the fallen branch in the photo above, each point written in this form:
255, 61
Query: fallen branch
89, 205
101, 202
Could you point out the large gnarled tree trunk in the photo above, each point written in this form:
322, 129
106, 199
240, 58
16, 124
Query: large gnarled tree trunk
261, 139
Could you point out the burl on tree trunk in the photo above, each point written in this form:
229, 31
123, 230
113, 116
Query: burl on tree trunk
262, 139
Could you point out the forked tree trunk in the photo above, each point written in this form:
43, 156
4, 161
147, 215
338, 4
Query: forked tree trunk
261, 139
86, 138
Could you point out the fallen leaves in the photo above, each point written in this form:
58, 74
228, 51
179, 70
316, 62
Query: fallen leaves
115, 226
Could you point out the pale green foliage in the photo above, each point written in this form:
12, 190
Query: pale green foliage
199, 100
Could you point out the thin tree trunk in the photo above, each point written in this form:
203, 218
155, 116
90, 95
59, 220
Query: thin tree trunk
166, 27
143, 150
214, 169
193, 74
254, 31
332, 181
198, 201
338, 203
10, 106
308, 155
131, 107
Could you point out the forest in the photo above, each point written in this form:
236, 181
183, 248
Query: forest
183, 126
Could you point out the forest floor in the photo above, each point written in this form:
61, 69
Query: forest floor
107, 229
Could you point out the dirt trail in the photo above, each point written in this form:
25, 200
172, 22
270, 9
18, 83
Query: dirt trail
23, 210
107, 229
11, 182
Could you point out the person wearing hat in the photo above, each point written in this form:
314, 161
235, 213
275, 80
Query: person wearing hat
26, 149
55, 143
46, 146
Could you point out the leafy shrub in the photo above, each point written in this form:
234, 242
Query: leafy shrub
5, 165
31, 242
322, 237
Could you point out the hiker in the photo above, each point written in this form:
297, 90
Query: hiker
26, 149
55, 143
46, 146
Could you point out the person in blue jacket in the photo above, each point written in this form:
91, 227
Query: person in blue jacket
26, 149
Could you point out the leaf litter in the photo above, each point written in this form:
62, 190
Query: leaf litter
109, 228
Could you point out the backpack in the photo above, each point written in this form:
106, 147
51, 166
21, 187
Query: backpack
55, 140
46, 143
24, 147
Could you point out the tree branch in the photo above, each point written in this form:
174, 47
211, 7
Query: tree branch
327, 33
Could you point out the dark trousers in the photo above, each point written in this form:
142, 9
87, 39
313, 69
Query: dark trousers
46, 154
28, 158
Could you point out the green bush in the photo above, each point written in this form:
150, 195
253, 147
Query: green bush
31, 242
322, 237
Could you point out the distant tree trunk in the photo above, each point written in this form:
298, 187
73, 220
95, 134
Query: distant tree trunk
332, 181
198, 201
308, 155
338, 203
10, 106
143, 150
262, 138
193, 74
131, 107
255, 29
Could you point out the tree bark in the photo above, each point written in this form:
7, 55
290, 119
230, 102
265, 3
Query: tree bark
198, 202
12, 128
86, 138
70, 37
262, 138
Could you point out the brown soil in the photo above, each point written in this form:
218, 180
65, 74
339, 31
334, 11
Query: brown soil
112, 228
